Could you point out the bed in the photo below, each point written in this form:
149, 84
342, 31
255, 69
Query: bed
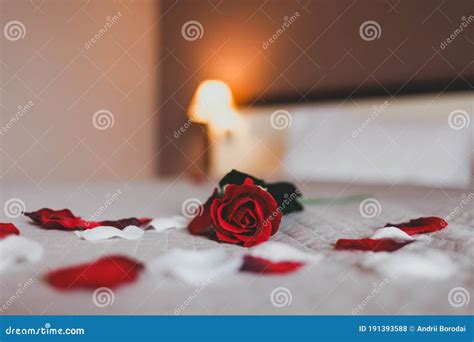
336, 285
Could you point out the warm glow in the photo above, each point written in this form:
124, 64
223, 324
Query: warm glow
213, 103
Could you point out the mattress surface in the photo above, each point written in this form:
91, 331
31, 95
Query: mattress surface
336, 285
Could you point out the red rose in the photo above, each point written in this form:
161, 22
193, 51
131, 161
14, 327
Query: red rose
246, 214
245, 210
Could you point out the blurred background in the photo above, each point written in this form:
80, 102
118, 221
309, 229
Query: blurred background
335, 91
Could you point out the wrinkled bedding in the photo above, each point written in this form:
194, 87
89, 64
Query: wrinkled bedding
341, 283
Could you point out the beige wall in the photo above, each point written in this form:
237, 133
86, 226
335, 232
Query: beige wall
61, 78
320, 55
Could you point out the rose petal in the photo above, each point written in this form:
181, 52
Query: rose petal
261, 265
393, 233
389, 239
16, 251
110, 271
421, 225
278, 252
108, 232
262, 235
374, 245
202, 222
8, 229
122, 223
225, 236
195, 267
163, 223
404, 265
277, 257
42, 215
65, 220
222, 218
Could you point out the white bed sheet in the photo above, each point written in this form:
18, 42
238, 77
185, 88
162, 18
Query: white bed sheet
337, 285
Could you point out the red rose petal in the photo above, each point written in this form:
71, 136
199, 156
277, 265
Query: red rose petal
201, 223
65, 220
122, 223
8, 229
44, 214
110, 271
374, 245
417, 226
248, 181
421, 225
261, 265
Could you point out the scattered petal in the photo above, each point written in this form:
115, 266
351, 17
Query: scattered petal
16, 251
374, 245
122, 223
278, 252
43, 215
392, 233
261, 265
110, 271
195, 267
59, 219
201, 223
421, 225
65, 220
394, 236
107, 232
164, 223
7, 229
397, 234
430, 264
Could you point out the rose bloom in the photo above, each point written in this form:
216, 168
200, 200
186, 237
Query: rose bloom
246, 214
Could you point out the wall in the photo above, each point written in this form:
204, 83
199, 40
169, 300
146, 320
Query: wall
57, 76
321, 54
